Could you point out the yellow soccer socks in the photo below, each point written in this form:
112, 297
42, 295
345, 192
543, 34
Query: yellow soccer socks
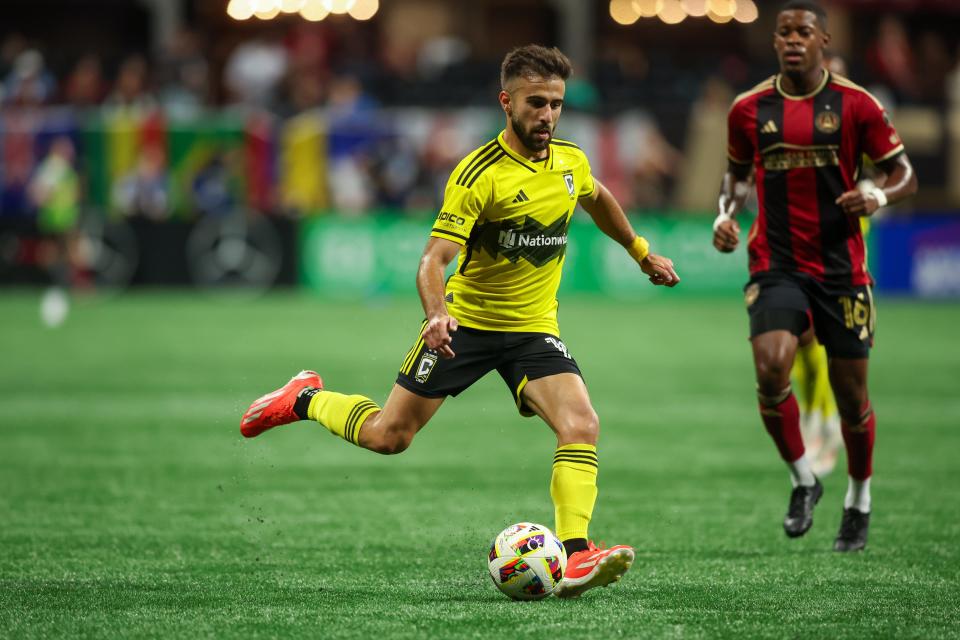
573, 488
341, 414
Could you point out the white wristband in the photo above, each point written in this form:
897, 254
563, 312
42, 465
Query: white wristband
723, 217
879, 196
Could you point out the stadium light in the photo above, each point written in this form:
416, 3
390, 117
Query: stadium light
671, 12
694, 8
338, 6
266, 9
647, 8
622, 12
240, 9
746, 11
364, 9
718, 18
314, 11
722, 9
291, 6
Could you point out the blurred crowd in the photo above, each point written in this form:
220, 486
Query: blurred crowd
302, 118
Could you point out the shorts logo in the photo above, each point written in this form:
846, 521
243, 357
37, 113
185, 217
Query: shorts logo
562, 348
425, 367
568, 179
751, 294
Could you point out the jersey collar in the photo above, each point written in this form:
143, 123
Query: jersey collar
536, 167
823, 82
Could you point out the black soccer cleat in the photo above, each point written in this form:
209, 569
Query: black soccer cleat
853, 531
799, 516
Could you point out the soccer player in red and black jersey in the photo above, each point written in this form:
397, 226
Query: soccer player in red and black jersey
799, 136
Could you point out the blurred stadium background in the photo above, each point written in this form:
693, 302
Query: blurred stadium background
294, 153
218, 143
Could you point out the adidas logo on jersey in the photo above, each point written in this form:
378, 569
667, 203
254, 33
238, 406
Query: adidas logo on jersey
770, 127
521, 197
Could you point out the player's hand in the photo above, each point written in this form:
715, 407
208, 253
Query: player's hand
436, 335
855, 203
726, 236
660, 270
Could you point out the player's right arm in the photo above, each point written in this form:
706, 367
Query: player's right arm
734, 189
467, 193
736, 183
430, 285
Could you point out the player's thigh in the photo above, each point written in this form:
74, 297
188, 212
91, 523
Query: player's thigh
779, 314
562, 401
546, 381
845, 319
393, 428
528, 356
407, 412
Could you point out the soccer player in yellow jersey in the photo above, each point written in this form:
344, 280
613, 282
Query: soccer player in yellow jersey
504, 216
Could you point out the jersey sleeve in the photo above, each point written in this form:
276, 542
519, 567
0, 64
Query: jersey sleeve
739, 143
587, 185
879, 139
461, 208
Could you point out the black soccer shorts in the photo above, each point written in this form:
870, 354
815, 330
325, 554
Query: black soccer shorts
843, 316
518, 357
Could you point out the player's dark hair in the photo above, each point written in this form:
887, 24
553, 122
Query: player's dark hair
533, 59
807, 5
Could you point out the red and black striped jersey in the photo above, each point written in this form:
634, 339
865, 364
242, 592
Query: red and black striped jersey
806, 151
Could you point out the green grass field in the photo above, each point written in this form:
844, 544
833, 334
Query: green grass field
131, 505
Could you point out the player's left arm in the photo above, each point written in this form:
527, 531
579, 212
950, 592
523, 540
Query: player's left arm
610, 218
901, 183
882, 144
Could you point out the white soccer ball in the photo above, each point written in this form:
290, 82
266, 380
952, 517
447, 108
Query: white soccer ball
527, 561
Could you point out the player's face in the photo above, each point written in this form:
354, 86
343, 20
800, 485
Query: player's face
533, 105
799, 41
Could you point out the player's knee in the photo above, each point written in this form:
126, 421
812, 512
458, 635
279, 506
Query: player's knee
772, 375
393, 439
393, 446
580, 427
852, 407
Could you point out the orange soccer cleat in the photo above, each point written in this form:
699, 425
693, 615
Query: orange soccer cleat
594, 568
276, 408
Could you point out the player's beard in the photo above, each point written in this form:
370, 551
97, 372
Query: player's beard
527, 137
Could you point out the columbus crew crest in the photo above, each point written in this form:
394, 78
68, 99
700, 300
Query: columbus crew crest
425, 367
568, 180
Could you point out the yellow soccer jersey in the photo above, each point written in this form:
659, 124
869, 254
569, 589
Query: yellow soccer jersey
511, 216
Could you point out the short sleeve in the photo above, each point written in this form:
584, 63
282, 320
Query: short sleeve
587, 185
461, 208
879, 139
739, 144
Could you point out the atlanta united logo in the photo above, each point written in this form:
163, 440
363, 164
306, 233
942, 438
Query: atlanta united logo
751, 294
827, 122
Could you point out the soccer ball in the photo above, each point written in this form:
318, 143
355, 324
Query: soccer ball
527, 561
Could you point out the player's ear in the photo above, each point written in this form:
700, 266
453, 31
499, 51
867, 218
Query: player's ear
504, 98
